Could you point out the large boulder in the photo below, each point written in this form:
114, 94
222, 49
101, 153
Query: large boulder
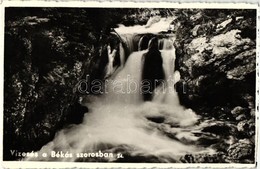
243, 150
216, 68
217, 64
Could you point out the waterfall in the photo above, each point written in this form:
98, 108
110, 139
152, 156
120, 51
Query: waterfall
119, 121
125, 86
129, 40
140, 43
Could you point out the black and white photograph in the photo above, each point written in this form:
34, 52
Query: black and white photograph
125, 85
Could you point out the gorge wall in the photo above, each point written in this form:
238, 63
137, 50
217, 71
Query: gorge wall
216, 57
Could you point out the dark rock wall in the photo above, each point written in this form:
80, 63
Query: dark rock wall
216, 57
44, 60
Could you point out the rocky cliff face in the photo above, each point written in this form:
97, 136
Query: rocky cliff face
216, 57
44, 60
47, 52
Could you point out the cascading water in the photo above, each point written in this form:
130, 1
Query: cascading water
125, 127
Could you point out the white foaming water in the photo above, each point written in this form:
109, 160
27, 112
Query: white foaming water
162, 25
120, 121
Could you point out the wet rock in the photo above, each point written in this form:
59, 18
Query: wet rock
252, 112
239, 110
242, 126
246, 128
241, 117
208, 140
196, 17
221, 113
243, 149
203, 158
152, 69
241, 113
76, 114
156, 119
223, 25
188, 158
195, 30
246, 67
219, 129
217, 136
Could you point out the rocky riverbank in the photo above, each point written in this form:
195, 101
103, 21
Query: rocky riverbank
216, 57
